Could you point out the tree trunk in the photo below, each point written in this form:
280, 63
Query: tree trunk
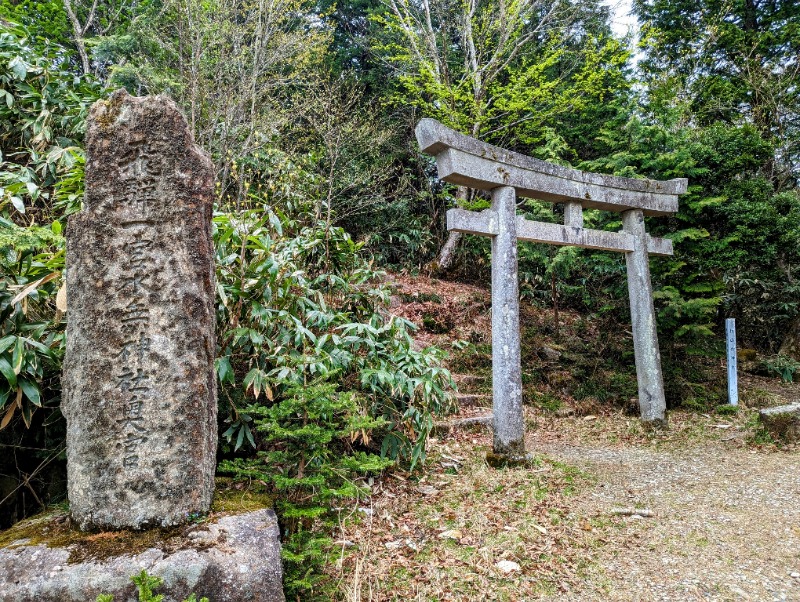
448, 252
791, 342
78, 33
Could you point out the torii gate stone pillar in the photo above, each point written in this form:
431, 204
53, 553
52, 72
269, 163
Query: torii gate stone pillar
509, 427
652, 403
469, 162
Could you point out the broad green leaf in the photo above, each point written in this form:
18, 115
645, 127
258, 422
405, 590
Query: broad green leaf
7, 342
18, 355
27, 413
18, 204
18, 67
224, 370
7, 371
31, 391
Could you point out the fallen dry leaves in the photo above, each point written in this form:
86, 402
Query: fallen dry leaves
465, 531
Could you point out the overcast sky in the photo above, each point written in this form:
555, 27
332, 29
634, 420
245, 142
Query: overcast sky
621, 18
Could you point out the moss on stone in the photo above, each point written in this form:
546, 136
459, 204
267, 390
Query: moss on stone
112, 106
39, 529
747, 355
53, 529
496, 460
229, 500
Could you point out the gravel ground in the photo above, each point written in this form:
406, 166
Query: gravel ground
725, 524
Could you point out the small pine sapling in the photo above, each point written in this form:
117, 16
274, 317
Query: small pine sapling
145, 584
311, 465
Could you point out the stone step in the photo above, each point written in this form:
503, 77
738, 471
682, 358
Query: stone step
444, 428
229, 558
468, 379
473, 399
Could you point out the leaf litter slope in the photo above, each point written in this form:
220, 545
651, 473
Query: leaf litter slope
465, 531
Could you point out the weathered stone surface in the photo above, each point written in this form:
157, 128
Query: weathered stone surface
444, 428
509, 425
465, 380
139, 383
473, 399
485, 222
782, 422
550, 353
652, 400
573, 214
236, 559
469, 162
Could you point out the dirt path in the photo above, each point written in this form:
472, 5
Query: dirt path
726, 522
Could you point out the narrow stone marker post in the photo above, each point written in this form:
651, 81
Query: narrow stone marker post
733, 368
469, 162
139, 387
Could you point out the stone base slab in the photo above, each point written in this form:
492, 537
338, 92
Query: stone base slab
234, 559
782, 422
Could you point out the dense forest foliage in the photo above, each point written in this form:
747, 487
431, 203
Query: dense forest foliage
307, 110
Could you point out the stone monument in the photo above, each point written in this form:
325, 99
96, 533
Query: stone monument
469, 162
139, 387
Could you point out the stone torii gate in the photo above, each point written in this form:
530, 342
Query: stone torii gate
469, 162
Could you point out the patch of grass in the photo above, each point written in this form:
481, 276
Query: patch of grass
437, 323
420, 298
759, 436
695, 404
760, 398
574, 478
546, 401
727, 410
531, 377
472, 359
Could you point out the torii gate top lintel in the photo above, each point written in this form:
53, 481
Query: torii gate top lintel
469, 162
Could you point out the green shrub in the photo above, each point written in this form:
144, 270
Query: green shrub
782, 365
299, 304
31, 333
43, 108
316, 375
